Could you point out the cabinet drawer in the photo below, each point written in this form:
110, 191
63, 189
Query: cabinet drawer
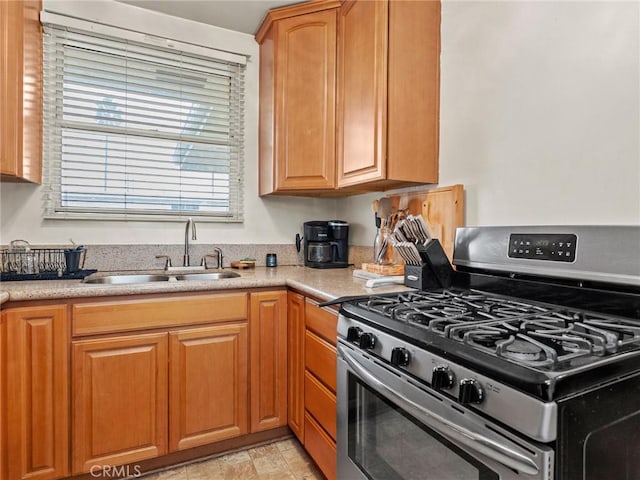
323, 322
320, 359
105, 317
321, 403
320, 446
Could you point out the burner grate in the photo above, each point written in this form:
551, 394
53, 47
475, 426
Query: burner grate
526, 333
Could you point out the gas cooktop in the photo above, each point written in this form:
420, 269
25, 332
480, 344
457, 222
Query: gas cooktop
537, 335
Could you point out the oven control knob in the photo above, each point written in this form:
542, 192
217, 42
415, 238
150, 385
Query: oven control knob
470, 391
367, 341
353, 334
400, 357
442, 377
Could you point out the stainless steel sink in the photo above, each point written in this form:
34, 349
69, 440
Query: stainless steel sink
124, 279
207, 276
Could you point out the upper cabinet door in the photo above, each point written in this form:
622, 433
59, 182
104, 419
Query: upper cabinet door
362, 90
388, 94
297, 99
20, 91
305, 101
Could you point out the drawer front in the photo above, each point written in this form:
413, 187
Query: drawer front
321, 403
106, 317
321, 321
320, 359
320, 446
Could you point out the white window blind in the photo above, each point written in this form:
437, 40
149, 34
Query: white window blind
134, 131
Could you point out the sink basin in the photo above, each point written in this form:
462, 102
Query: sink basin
207, 276
139, 278
124, 279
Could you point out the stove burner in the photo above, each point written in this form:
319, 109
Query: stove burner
521, 350
536, 335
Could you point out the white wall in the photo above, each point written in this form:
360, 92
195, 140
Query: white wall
270, 220
539, 113
540, 120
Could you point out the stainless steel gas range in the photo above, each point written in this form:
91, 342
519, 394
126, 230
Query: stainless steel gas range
527, 367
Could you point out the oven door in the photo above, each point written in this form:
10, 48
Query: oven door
390, 427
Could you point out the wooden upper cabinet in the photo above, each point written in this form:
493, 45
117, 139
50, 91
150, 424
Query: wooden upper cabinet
362, 77
20, 91
37, 401
297, 98
388, 93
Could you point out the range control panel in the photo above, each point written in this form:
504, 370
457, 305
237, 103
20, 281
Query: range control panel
543, 246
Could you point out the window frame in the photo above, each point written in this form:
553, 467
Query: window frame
51, 135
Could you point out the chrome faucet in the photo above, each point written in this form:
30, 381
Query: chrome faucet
191, 223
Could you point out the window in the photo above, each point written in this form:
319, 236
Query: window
135, 131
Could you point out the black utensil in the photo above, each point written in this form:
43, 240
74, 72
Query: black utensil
298, 242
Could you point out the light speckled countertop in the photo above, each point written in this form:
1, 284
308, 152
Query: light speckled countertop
324, 284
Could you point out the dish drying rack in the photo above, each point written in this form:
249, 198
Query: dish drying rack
21, 262
35, 260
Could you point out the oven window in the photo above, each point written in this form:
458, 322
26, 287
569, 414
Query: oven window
613, 451
388, 444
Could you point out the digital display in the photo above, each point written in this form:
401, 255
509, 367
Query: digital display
540, 246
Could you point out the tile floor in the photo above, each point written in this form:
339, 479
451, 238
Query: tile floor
281, 460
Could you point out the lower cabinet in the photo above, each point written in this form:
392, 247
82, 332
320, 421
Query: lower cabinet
207, 385
35, 374
140, 395
268, 326
320, 446
295, 363
119, 400
111, 381
312, 341
320, 403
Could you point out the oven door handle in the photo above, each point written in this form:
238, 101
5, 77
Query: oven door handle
474, 440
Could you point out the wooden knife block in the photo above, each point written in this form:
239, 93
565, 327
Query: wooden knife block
383, 269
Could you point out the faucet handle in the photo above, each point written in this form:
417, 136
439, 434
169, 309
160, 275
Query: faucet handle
217, 255
218, 251
167, 262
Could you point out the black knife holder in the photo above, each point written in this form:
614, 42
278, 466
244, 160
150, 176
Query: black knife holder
434, 272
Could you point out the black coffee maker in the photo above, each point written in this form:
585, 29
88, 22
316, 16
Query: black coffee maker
326, 244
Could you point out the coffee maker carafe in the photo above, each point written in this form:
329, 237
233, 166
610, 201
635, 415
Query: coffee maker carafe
326, 244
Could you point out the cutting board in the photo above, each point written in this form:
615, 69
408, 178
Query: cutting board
442, 209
